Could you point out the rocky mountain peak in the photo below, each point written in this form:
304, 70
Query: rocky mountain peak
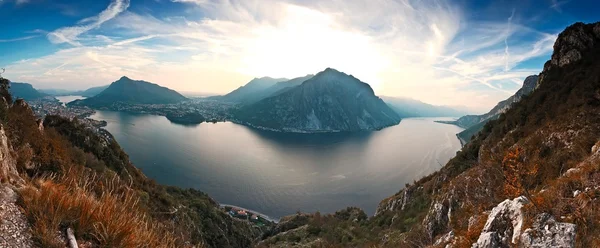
573, 43
125, 78
337, 78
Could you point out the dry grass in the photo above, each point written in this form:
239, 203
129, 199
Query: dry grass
104, 212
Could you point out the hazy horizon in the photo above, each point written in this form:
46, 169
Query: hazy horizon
443, 53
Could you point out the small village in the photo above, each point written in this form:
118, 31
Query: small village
245, 214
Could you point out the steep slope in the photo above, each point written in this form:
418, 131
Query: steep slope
87, 93
57, 92
92, 91
524, 153
276, 89
474, 123
68, 175
251, 91
528, 179
406, 107
25, 91
130, 91
328, 102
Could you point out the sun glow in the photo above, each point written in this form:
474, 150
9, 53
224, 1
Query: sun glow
308, 41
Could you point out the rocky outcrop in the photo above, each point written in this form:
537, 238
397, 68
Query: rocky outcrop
437, 218
8, 170
503, 226
397, 201
547, 232
573, 42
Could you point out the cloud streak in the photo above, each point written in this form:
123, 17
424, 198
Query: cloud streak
70, 34
19, 39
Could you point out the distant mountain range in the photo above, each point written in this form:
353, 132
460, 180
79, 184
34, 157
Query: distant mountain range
25, 91
92, 91
250, 92
474, 123
330, 101
406, 107
129, 91
87, 93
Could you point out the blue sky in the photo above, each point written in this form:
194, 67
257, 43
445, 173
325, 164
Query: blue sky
472, 53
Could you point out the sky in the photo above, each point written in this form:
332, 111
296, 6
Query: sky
458, 53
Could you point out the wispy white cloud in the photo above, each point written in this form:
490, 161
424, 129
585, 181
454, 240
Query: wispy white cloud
421, 49
70, 34
19, 39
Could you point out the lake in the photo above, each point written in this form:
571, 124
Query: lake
68, 99
280, 173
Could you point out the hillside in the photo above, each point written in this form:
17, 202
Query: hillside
331, 101
56, 92
25, 91
60, 174
276, 89
474, 123
252, 91
91, 91
87, 93
528, 179
406, 107
128, 91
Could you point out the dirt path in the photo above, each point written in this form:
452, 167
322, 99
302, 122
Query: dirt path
14, 228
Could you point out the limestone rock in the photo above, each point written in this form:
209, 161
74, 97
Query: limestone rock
547, 232
503, 226
572, 43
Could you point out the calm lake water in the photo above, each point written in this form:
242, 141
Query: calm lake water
68, 99
278, 174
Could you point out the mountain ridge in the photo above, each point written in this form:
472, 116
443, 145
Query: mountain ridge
474, 123
331, 101
408, 107
248, 91
25, 91
129, 91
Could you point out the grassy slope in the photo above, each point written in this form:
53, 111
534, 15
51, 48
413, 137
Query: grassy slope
77, 178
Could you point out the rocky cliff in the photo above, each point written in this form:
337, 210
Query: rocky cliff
331, 101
